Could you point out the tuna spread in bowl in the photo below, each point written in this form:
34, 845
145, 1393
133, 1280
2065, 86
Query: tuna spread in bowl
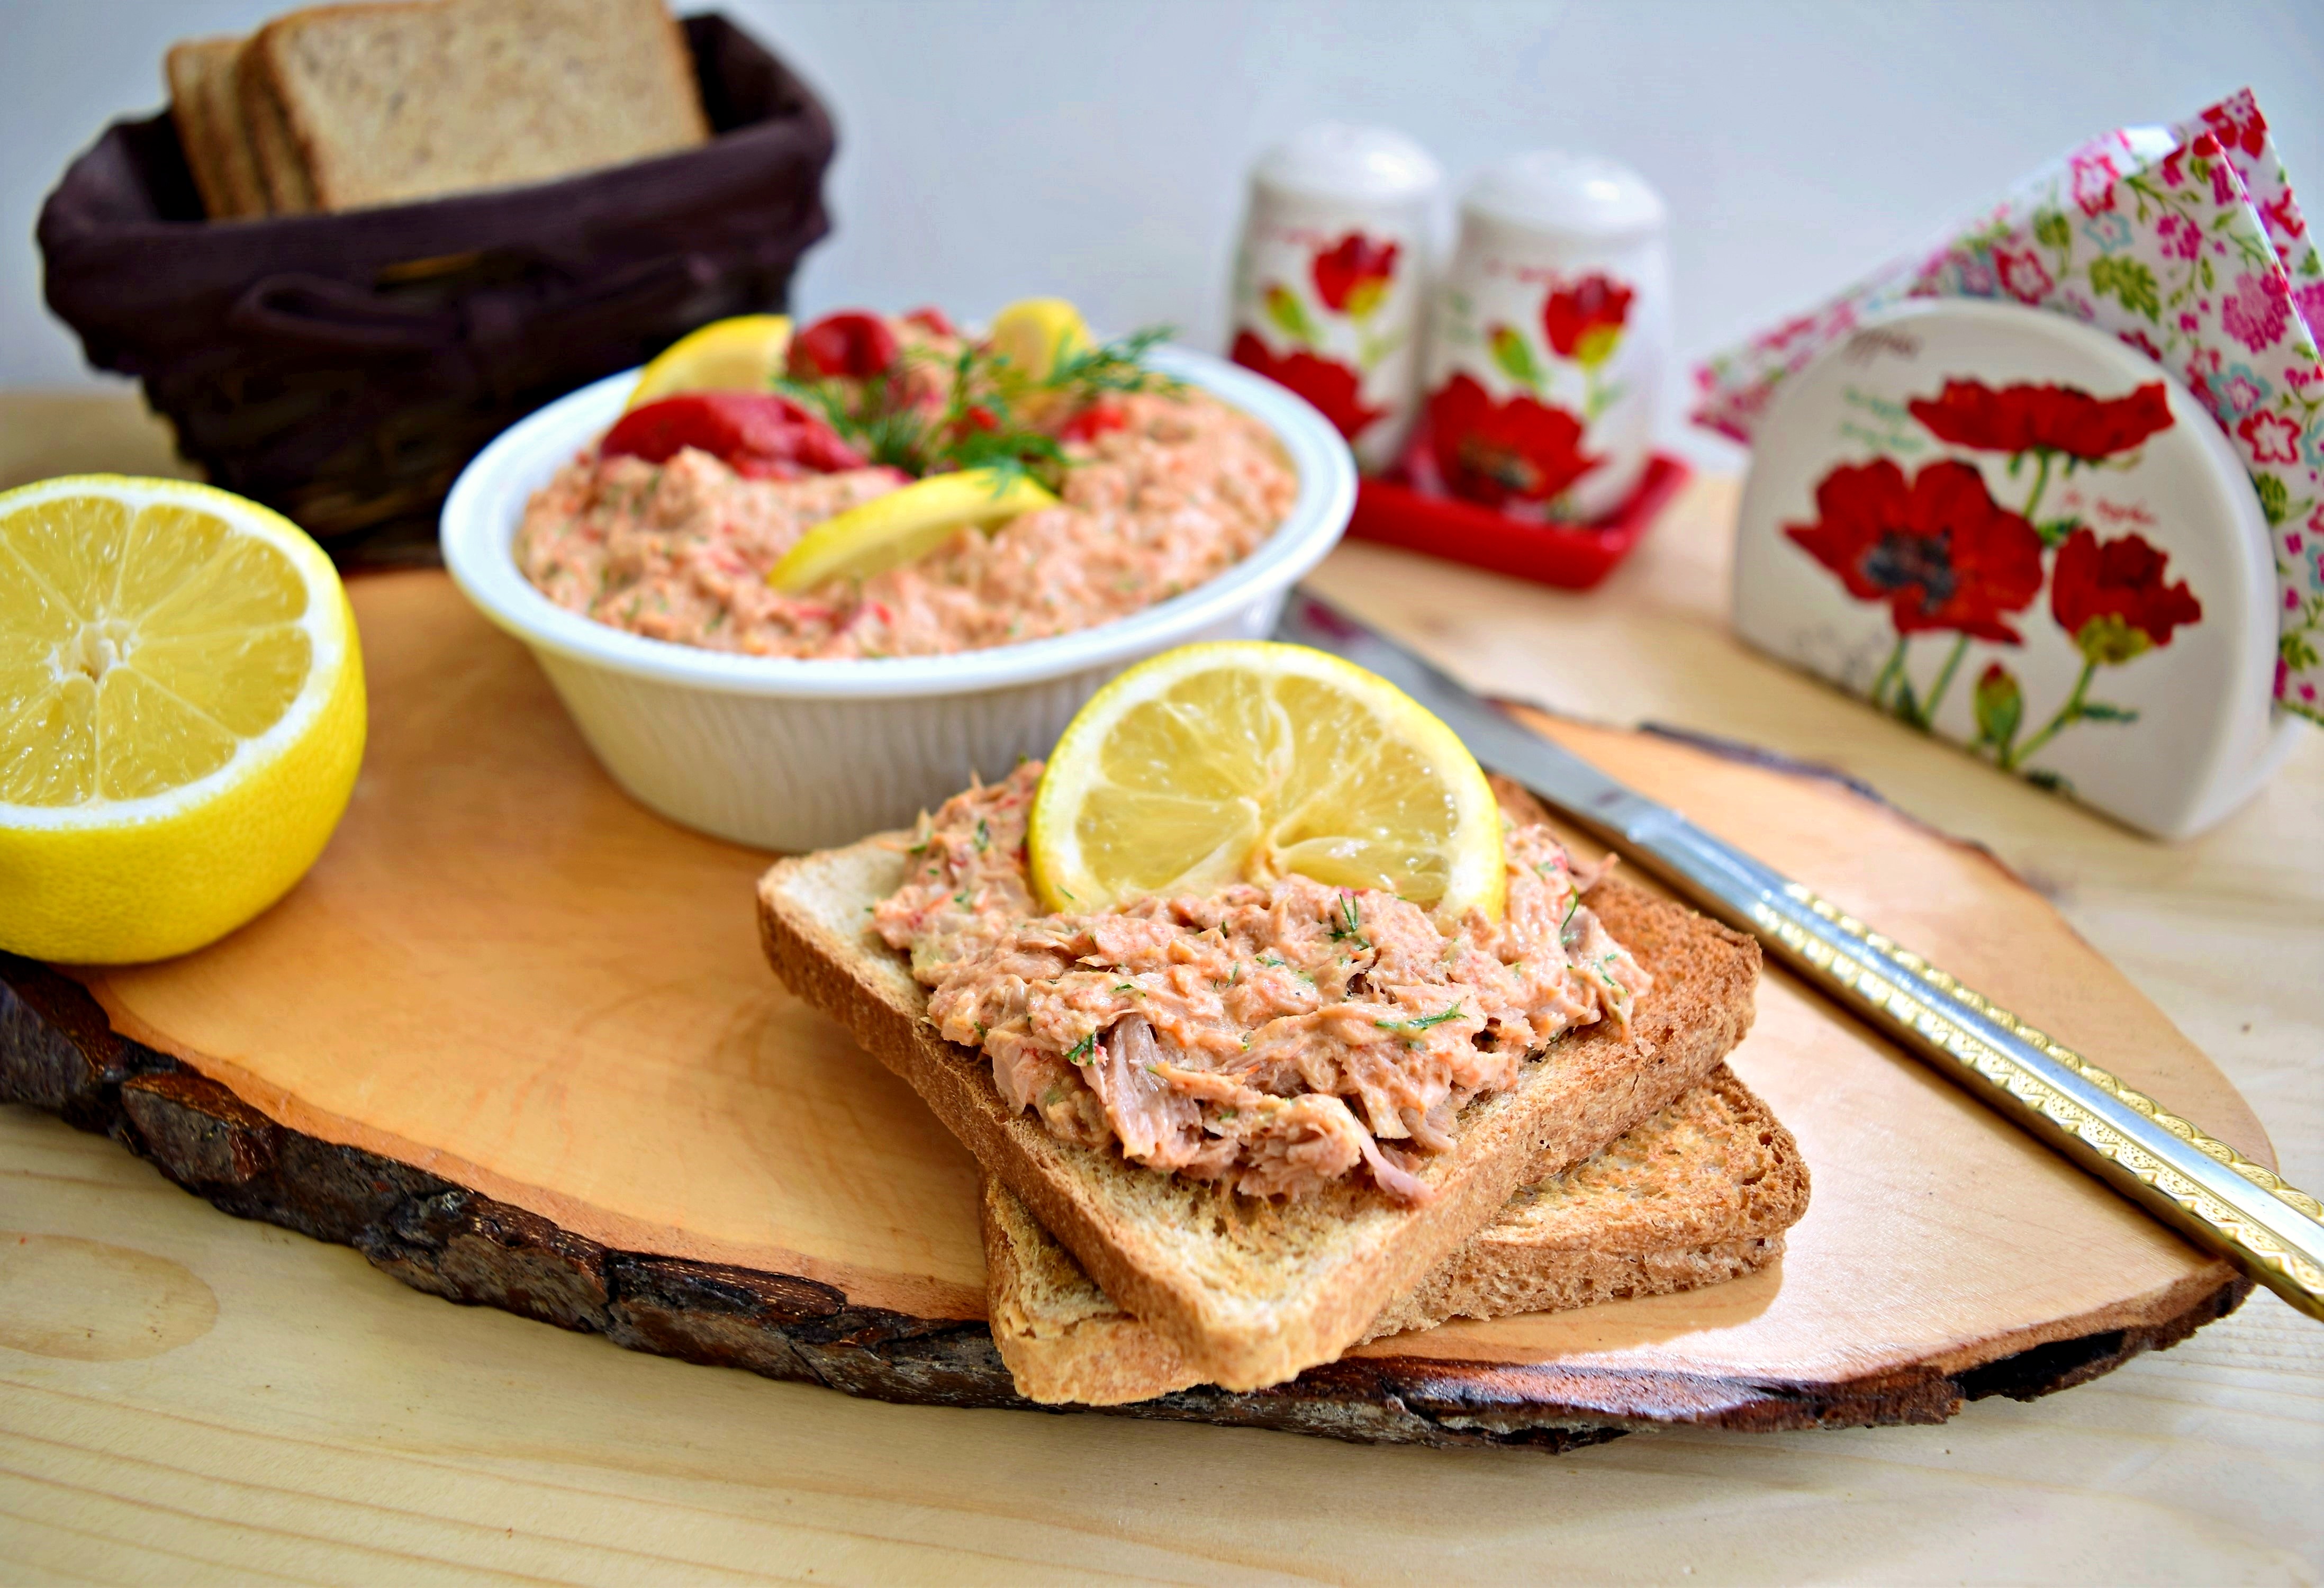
1153, 487
1169, 496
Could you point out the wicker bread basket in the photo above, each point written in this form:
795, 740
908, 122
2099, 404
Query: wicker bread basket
342, 368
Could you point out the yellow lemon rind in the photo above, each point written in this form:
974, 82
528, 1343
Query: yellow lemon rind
742, 353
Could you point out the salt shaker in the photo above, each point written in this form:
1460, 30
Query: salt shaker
1331, 277
1550, 340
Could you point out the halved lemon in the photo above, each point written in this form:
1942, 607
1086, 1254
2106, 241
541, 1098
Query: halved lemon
744, 354
1037, 333
904, 526
181, 714
1242, 761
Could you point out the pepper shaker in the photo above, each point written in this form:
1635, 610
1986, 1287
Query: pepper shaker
1332, 276
1550, 340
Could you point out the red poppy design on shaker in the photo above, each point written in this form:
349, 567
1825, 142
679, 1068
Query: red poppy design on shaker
1353, 275
2028, 417
1938, 549
1332, 387
2110, 597
1521, 451
1583, 322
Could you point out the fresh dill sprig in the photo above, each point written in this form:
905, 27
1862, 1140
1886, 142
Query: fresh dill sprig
1423, 1022
982, 422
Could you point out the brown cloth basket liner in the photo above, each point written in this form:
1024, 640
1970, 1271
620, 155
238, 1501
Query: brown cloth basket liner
342, 368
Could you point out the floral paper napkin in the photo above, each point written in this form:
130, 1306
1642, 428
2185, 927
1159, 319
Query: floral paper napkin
2184, 241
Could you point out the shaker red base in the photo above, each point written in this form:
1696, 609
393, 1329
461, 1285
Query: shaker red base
1392, 512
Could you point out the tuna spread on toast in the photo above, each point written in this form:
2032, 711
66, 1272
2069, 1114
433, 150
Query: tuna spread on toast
1273, 1035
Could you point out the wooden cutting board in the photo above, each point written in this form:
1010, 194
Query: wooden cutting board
512, 1038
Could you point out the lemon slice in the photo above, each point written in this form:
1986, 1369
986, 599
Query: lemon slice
744, 354
904, 526
1242, 761
1037, 333
181, 714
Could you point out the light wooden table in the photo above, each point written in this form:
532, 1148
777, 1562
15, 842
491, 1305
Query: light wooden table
185, 1397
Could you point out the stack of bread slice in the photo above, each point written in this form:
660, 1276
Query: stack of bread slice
1619, 1164
349, 107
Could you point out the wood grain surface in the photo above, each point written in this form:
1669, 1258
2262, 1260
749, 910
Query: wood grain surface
330, 1424
507, 975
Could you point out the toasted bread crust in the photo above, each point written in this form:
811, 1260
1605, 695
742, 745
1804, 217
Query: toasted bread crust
1252, 1292
281, 172
490, 122
206, 106
1700, 1193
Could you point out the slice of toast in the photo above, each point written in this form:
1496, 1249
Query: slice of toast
206, 103
395, 103
281, 173
1251, 1291
1700, 1193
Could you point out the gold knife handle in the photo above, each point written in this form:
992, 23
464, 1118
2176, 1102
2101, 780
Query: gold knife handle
1943, 1022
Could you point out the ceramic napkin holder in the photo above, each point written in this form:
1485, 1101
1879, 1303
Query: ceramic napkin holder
2018, 533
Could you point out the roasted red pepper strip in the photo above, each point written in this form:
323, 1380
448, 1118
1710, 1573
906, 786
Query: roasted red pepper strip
1093, 422
757, 434
852, 344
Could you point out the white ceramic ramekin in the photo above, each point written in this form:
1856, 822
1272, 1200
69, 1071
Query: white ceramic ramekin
795, 755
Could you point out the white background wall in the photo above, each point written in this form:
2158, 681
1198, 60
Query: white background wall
1095, 148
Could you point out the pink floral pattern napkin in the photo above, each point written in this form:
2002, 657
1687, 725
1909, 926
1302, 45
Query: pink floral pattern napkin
2186, 243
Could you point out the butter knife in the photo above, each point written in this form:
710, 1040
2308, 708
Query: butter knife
2200, 1186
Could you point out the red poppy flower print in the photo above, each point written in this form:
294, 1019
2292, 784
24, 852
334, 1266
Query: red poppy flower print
1582, 322
1353, 275
2110, 597
1332, 387
1521, 451
1937, 549
2029, 418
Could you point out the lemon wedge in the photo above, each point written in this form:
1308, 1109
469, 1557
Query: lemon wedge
904, 526
1035, 334
744, 354
1242, 761
181, 714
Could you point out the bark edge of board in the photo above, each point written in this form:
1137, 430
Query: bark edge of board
59, 1054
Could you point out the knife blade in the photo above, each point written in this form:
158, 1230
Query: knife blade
2202, 1187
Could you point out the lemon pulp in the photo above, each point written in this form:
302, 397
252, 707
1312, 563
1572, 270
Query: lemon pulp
904, 526
1243, 760
180, 714
1037, 333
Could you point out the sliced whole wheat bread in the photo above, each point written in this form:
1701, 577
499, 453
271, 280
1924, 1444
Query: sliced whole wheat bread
206, 105
395, 103
1250, 1291
1700, 1193
281, 172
